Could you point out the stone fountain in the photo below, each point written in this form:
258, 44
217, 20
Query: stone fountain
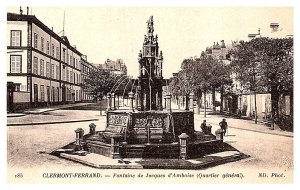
147, 129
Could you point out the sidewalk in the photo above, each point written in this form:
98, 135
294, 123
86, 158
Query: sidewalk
241, 124
55, 117
51, 108
235, 123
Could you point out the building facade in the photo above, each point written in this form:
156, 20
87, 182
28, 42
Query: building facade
43, 68
117, 67
86, 67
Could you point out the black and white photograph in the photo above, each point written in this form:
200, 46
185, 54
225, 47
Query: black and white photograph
141, 94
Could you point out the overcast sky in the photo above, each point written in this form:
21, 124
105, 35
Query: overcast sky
113, 33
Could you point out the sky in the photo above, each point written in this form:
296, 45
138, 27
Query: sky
102, 33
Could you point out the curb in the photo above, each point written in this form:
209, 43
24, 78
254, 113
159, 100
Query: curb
49, 123
99, 166
15, 115
253, 130
200, 166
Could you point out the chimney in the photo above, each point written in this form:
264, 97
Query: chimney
21, 11
27, 10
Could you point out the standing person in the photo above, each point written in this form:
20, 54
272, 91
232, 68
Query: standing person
223, 125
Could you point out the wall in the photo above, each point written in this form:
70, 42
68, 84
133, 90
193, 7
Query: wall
17, 25
21, 97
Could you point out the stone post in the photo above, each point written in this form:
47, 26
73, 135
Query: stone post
79, 137
168, 102
92, 128
219, 134
192, 101
187, 102
113, 101
183, 143
115, 146
136, 99
131, 97
165, 106
108, 101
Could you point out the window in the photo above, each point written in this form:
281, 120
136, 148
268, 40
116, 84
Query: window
63, 74
42, 93
57, 94
57, 53
53, 50
35, 65
17, 87
68, 75
52, 70
15, 63
42, 67
64, 55
42, 44
15, 37
71, 60
57, 72
287, 103
47, 69
35, 40
48, 47
53, 94
71, 76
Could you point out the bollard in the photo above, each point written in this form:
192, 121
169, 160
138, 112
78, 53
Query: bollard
113, 101
136, 100
183, 143
108, 101
115, 146
219, 134
192, 101
79, 138
92, 128
131, 97
187, 102
168, 102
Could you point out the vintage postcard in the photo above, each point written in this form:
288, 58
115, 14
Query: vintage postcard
199, 95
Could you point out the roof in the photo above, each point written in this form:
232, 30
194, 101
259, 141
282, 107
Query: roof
33, 19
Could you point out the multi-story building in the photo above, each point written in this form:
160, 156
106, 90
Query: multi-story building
117, 67
86, 67
43, 68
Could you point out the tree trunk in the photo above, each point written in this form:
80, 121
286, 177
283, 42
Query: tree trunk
255, 108
204, 104
292, 110
221, 106
214, 98
274, 102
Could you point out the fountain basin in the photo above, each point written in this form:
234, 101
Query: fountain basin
130, 134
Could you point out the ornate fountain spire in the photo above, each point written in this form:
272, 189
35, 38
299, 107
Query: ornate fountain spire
150, 26
150, 69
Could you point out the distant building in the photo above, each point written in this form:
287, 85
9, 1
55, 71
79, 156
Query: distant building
219, 51
117, 67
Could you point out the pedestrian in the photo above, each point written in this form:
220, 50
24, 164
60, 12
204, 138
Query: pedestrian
205, 128
223, 125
